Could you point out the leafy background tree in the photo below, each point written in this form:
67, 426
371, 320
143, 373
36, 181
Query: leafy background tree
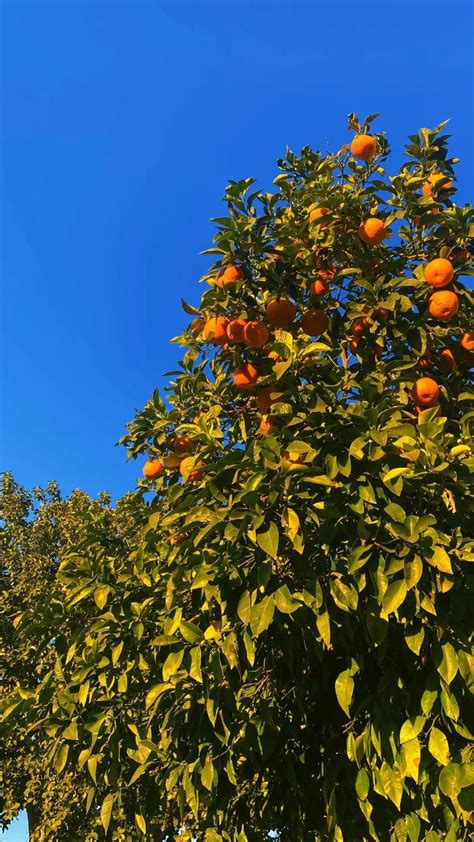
285, 641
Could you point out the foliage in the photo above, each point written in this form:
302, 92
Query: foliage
35, 529
285, 644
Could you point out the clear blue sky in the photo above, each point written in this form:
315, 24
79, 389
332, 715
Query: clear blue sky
121, 122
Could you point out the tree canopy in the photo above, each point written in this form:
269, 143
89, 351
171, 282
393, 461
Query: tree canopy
274, 633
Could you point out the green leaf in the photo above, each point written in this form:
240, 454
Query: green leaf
323, 624
195, 670
344, 596
243, 608
156, 692
438, 746
100, 595
106, 810
344, 689
116, 652
411, 728
140, 822
454, 777
261, 615
71, 732
410, 758
230, 648
268, 541
441, 560
61, 758
446, 662
284, 601
394, 597
362, 784
392, 783
190, 632
172, 664
207, 773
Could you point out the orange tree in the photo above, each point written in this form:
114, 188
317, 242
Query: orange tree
287, 646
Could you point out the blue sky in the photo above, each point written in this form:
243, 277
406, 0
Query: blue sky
121, 122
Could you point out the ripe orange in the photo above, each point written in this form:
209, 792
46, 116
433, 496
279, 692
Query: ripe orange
317, 213
280, 312
319, 287
447, 360
363, 147
152, 469
264, 399
424, 362
438, 273
172, 461
235, 330
228, 275
314, 322
372, 231
467, 340
354, 344
443, 305
359, 326
425, 392
256, 334
215, 330
382, 313
182, 444
189, 469
429, 186
246, 376
327, 274
265, 425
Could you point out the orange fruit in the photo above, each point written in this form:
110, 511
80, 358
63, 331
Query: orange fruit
314, 322
447, 360
359, 326
246, 376
228, 275
319, 287
152, 469
443, 305
280, 312
354, 344
235, 330
425, 392
182, 444
279, 255
467, 340
215, 330
429, 186
424, 362
273, 355
372, 231
265, 425
256, 334
439, 272
189, 469
317, 213
327, 274
172, 461
363, 147
382, 313
264, 399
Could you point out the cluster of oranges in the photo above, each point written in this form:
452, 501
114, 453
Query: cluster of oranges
281, 312
181, 457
